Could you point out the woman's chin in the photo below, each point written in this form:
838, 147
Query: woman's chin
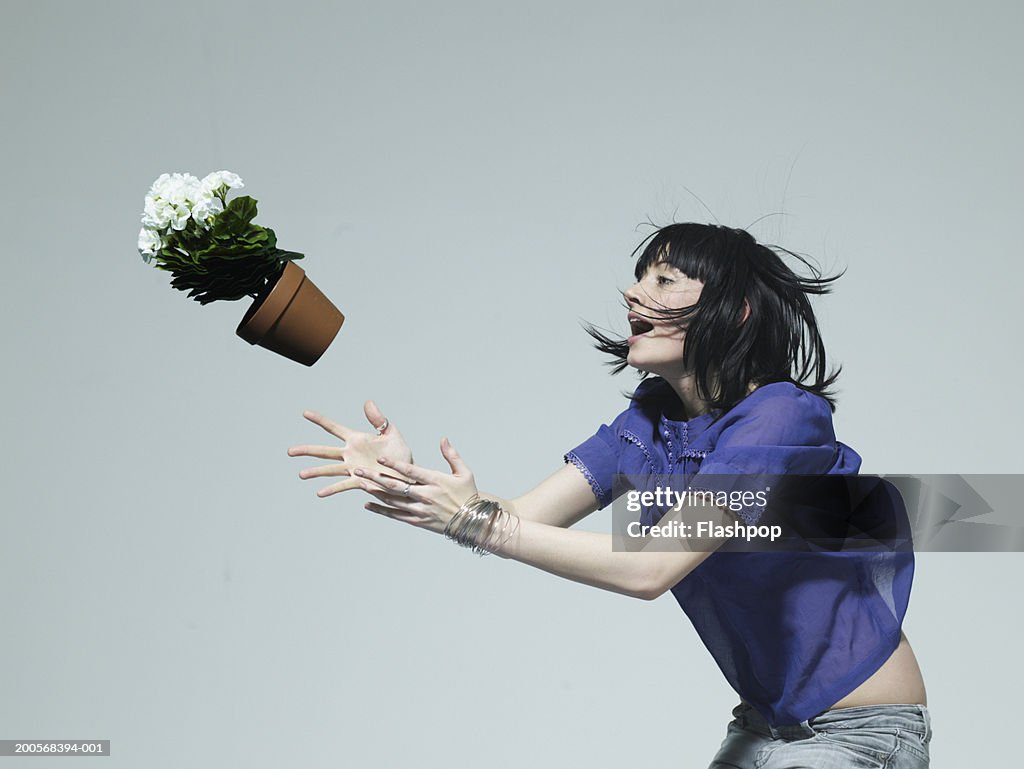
639, 364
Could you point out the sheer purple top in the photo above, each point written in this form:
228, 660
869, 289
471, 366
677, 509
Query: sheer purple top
793, 632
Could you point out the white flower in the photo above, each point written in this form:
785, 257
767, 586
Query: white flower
170, 202
149, 243
157, 214
218, 181
205, 208
155, 187
183, 191
175, 198
174, 188
180, 217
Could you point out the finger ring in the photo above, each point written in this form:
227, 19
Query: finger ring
405, 491
383, 427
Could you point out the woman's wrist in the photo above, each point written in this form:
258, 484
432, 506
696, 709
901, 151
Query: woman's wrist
481, 524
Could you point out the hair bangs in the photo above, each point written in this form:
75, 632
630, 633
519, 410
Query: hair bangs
699, 251
753, 323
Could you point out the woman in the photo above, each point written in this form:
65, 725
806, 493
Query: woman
735, 385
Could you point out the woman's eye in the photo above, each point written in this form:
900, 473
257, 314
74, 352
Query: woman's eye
664, 281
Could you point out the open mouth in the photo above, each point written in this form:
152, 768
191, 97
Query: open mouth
639, 326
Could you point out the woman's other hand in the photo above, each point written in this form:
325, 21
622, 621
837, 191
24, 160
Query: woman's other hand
428, 499
360, 450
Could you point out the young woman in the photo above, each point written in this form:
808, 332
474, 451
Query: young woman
735, 382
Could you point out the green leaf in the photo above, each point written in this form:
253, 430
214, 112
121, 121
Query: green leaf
236, 216
235, 259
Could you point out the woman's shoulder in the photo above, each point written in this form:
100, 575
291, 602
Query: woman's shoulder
783, 395
784, 411
779, 402
655, 386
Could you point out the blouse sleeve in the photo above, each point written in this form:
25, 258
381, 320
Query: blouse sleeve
781, 432
597, 458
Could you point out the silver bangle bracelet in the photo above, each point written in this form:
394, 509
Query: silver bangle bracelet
476, 525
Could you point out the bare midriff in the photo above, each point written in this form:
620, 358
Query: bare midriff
898, 681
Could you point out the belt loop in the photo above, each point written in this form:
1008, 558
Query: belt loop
789, 732
927, 723
740, 714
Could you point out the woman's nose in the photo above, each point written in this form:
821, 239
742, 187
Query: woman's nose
634, 295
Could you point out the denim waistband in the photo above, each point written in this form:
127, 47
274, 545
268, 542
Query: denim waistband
909, 718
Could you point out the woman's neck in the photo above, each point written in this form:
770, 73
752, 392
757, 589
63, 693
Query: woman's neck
690, 404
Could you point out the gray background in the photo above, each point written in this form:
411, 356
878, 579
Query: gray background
466, 180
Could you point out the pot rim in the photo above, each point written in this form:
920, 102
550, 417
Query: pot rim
269, 307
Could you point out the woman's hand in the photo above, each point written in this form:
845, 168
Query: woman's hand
428, 499
361, 449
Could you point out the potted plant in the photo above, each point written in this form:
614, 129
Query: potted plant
214, 251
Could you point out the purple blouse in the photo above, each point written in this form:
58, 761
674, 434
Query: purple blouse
793, 632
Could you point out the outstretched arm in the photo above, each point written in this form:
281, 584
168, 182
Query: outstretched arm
430, 499
562, 499
587, 557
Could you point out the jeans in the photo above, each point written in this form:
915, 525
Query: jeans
865, 737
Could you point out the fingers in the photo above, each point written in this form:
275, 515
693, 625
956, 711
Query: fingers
322, 452
413, 472
393, 488
392, 512
335, 429
375, 417
407, 490
324, 471
346, 485
396, 501
454, 460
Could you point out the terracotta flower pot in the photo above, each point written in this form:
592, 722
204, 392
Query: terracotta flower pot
293, 318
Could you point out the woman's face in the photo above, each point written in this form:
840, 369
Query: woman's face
656, 343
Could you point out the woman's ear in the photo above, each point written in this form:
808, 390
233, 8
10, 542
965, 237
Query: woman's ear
746, 311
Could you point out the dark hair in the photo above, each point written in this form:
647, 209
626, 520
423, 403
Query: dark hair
778, 342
